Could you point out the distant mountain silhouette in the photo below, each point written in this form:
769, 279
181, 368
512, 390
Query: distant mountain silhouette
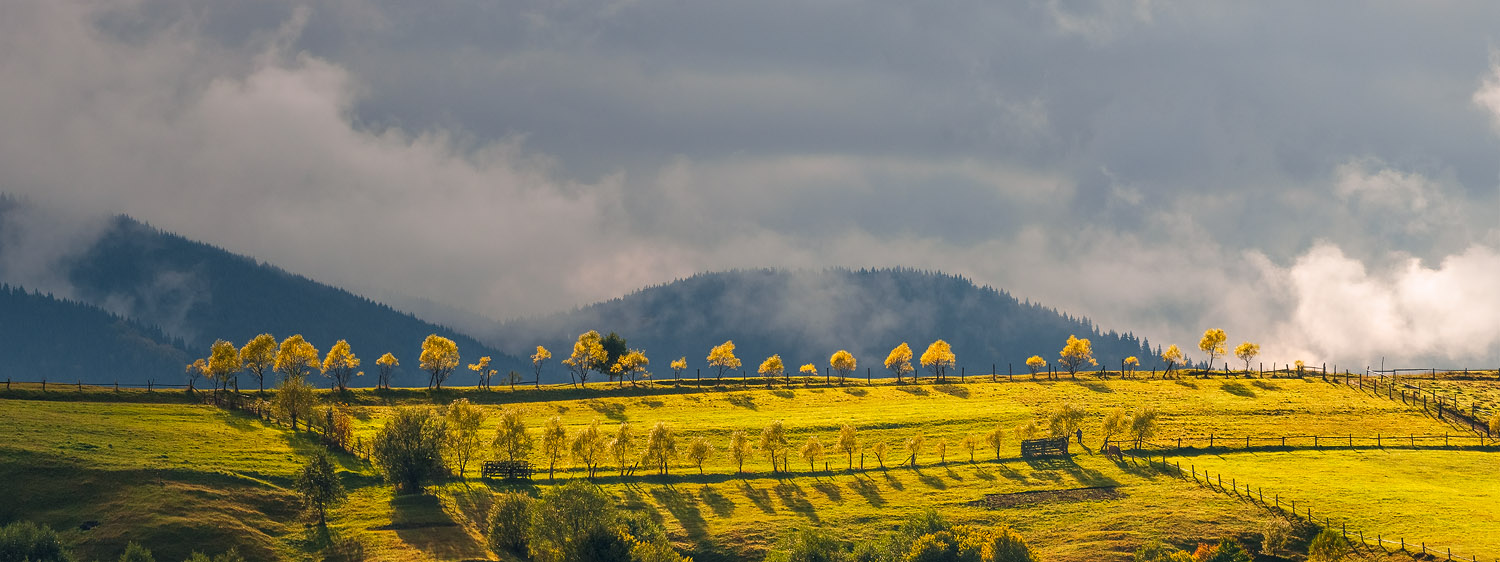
64, 341
196, 293
807, 315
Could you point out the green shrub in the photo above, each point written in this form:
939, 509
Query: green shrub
1006, 545
808, 545
408, 450
134, 552
27, 541
1157, 551
232, 555
1228, 550
509, 524
1329, 546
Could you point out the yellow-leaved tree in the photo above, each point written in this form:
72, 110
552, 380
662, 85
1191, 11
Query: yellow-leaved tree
259, 356
699, 451
1036, 364
844, 363
439, 358
224, 363
1247, 351
588, 356
808, 371
773, 444
630, 364
482, 368
1172, 357
587, 446
772, 368
1075, 354
511, 437
461, 438
554, 443
722, 358
1213, 343
661, 446
1128, 366
812, 450
387, 364
938, 358
295, 358
537, 359
739, 449
678, 367
849, 442
898, 362
340, 364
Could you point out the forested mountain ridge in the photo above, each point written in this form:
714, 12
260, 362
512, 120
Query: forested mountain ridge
65, 341
805, 316
196, 293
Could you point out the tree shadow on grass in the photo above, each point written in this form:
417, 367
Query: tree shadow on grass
1056, 468
1186, 383
829, 489
855, 391
334, 545
783, 393
954, 474
891, 479
684, 507
761, 498
795, 499
952, 390
931, 480
420, 521
612, 410
1097, 386
742, 401
1265, 385
915, 390
867, 489
983, 473
1237, 388
721, 505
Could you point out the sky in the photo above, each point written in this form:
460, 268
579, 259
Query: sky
1318, 177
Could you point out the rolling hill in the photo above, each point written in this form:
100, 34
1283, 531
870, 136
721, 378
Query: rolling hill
65, 341
805, 316
192, 293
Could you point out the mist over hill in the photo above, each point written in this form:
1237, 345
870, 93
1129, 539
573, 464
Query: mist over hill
192, 293
64, 341
807, 315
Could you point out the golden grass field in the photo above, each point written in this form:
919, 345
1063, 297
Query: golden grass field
180, 476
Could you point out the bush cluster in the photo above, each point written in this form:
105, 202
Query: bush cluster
926, 537
575, 521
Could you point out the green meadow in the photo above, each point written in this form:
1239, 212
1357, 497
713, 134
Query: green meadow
180, 476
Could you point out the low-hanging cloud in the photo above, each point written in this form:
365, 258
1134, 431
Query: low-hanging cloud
570, 153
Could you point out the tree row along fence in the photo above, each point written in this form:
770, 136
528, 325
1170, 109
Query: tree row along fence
1288, 507
1389, 385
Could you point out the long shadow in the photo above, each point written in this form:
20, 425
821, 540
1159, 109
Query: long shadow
1264, 385
721, 505
829, 489
855, 391
1237, 388
983, 473
915, 390
930, 480
867, 489
1097, 386
891, 479
793, 498
952, 390
954, 475
611, 410
761, 498
742, 401
420, 521
684, 507
1057, 466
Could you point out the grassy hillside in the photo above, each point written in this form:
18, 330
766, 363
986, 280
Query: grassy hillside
202, 477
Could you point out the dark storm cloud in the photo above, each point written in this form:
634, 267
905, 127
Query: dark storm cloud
1269, 168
